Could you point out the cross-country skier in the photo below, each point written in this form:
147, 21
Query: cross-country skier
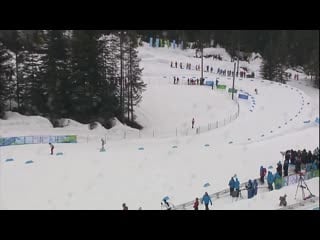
102, 143
192, 122
51, 148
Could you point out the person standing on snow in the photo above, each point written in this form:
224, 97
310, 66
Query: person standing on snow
270, 180
51, 148
196, 204
231, 185
285, 167
279, 168
250, 189
102, 143
206, 200
236, 186
263, 172
192, 122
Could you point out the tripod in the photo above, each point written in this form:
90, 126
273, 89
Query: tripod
302, 184
237, 195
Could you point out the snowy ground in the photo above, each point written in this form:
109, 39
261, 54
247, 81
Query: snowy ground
178, 167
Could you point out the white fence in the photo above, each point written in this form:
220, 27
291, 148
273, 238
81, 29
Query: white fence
121, 134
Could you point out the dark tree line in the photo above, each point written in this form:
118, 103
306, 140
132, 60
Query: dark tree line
280, 49
86, 75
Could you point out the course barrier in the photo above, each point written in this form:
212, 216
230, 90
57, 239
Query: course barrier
9, 141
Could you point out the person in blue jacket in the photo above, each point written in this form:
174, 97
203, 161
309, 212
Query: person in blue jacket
250, 189
255, 187
314, 165
206, 200
236, 185
270, 180
231, 185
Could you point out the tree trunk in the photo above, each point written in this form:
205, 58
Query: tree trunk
17, 79
130, 82
121, 77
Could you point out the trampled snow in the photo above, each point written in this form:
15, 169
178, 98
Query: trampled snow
141, 167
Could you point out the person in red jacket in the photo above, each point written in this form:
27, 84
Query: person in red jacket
196, 204
51, 148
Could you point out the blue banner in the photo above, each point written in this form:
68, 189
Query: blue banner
242, 96
209, 83
9, 141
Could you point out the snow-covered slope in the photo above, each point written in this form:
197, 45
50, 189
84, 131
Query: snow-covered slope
140, 170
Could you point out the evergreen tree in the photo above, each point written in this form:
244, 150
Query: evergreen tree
32, 86
13, 40
56, 74
269, 64
84, 74
135, 86
5, 72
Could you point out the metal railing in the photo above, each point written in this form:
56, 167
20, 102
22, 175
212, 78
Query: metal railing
226, 192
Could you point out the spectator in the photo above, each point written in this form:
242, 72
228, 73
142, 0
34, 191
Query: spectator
270, 180
263, 172
196, 204
277, 181
206, 200
236, 186
279, 168
51, 148
250, 189
231, 186
285, 167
